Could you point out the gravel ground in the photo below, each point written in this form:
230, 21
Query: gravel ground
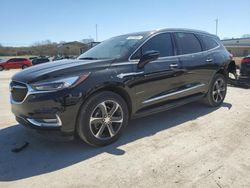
191, 146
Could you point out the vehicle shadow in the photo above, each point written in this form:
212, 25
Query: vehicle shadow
44, 156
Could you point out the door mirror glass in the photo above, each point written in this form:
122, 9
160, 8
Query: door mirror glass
148, 57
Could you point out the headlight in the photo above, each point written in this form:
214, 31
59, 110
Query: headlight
60, 83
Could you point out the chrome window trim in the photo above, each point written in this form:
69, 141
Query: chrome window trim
172, 94
136, 61
218, 44
30, 91
155, 34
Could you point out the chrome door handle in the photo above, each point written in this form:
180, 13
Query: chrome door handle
209, 60
173, 66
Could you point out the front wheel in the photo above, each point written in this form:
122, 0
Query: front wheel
217, 91
1, 68
102, 119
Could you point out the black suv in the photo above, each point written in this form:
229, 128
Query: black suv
124, 77
40, 60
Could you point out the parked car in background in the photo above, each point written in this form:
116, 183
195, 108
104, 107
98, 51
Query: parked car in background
56, 58
31, 58
125, 77
245, 66
244, 76
15, 63
40, 60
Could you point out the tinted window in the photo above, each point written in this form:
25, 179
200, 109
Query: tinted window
187, 43
19, 59
209, 42
161, 43
12, 60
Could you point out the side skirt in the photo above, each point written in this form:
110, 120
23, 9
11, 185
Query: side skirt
167, 106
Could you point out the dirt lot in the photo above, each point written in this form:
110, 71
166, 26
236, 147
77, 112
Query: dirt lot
192, 146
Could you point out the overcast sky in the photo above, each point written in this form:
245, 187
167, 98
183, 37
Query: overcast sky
24, 22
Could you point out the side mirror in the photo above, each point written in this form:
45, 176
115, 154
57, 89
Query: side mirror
148, 57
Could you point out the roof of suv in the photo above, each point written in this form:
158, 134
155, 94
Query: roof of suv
173, 30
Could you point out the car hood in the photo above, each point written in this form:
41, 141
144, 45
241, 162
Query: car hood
58, 68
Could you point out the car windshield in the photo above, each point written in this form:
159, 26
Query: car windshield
115, 47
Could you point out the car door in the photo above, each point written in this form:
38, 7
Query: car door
160, 79
20, 62
11, 64
211, 51
192, 60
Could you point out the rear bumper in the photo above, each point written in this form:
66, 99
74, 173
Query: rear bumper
245, 69
244, 81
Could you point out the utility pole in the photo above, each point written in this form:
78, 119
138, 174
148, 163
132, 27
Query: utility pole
216, 25
96, 32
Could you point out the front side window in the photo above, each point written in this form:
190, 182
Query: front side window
161, 43
187, 43
209, 42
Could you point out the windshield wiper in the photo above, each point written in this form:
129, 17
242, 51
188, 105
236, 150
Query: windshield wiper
88, 58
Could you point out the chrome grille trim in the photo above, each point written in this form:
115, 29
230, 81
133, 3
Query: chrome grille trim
30, 91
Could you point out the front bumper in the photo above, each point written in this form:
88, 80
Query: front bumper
49, 112
47, 132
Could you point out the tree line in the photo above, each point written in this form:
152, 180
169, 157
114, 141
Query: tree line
45, 48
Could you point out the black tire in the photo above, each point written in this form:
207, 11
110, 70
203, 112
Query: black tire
88, 130
210, 98
25, 66
1, 68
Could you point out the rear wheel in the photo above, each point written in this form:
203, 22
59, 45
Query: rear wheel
102, 119
1, 68
217, 91
25, 66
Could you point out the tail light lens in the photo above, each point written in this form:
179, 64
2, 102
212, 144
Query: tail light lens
245, 60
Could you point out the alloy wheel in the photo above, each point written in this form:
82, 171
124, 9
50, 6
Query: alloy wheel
25, 66
106, 120
219, 90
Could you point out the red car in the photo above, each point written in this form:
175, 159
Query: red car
15, 63
245, 66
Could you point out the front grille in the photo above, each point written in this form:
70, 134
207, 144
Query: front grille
18, 91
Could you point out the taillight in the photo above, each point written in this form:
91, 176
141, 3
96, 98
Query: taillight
245, 60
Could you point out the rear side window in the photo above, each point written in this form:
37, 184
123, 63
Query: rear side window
12, 60
208, 42
161, 43
17, 59
187, 43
